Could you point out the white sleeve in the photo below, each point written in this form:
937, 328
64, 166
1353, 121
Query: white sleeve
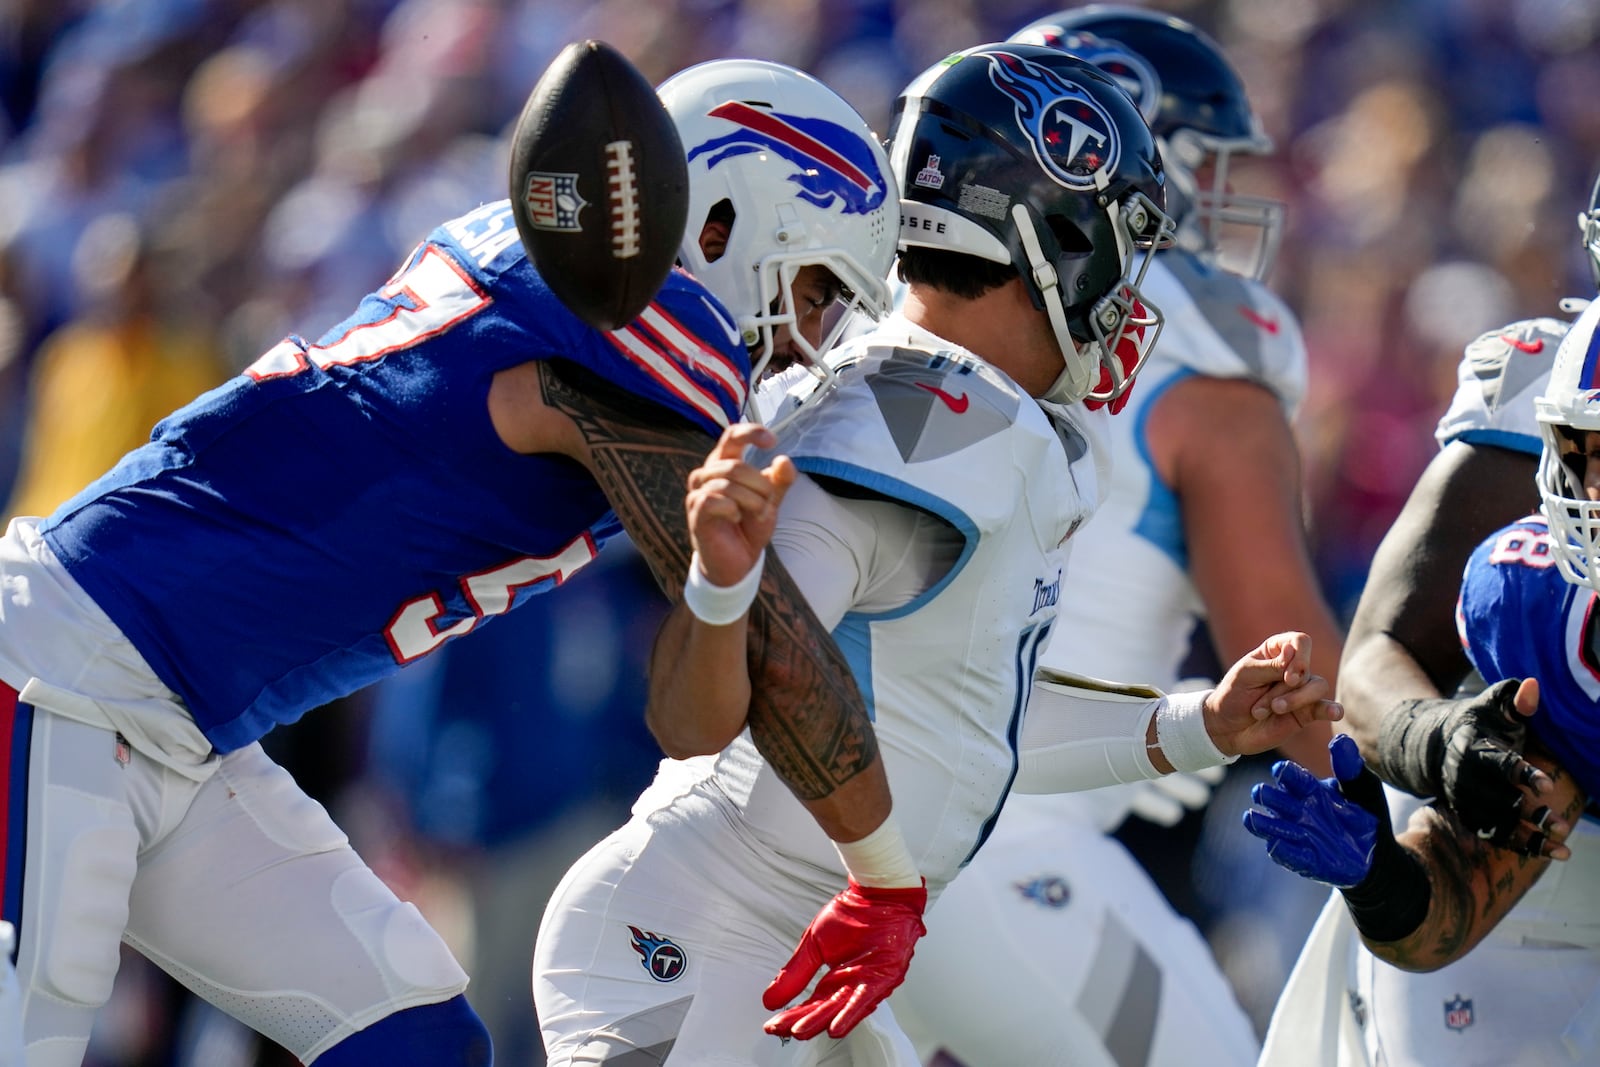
1084, 733
859, 554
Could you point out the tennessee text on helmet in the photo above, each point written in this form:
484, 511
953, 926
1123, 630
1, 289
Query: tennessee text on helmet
1025, 155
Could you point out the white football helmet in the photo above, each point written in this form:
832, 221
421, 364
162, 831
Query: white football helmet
805, 182
1569, 408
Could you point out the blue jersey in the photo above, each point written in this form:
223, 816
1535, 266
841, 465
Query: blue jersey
344, 507
1519, 619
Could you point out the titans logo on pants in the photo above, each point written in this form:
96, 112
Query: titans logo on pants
664, 960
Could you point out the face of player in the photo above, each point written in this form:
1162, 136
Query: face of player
1580, 452
816, 290
1591, 464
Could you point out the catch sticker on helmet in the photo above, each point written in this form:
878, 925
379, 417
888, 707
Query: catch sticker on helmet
820, 150
1073, 137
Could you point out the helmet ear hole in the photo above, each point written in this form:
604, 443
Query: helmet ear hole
1071, 239
718, 230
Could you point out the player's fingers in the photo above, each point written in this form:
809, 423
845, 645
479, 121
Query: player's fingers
793, 976
1289, 652
780, 474
1527, 698
1309, 697
811, 1018
740, 436
857, 1006
1271, 829
728, 503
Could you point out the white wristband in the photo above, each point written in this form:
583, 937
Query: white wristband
1181, 733
880, 859
719, 605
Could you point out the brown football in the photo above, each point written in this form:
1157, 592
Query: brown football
599, 186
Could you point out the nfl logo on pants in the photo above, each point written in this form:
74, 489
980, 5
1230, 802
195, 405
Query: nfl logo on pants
1458, 1013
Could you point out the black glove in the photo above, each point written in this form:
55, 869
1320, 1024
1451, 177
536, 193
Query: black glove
1468, 753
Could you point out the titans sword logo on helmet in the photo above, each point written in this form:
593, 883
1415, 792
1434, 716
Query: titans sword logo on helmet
1073, 137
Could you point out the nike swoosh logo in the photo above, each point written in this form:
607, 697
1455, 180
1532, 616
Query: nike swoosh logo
722, 320
1270, 325
957, 404
1531, 347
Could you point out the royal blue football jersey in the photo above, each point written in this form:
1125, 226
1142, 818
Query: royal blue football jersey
1519, 619
344, 507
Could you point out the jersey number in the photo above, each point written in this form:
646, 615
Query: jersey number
414, 630
1523, 547
430, 296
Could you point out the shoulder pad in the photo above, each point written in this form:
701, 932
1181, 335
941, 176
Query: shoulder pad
1223, 325
1499, 375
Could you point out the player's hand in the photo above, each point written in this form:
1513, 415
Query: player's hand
1268, 695
865, 937
733, 505
1312, 827
1479, 772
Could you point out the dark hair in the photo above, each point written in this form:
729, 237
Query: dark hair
957, 273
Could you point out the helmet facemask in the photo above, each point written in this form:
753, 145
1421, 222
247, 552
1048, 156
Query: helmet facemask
1574, 519
1568, 411
1242, 232
1093, 369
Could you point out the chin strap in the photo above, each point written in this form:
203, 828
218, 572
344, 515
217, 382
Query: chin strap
1075, 381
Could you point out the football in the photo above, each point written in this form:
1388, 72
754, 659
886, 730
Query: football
599, 186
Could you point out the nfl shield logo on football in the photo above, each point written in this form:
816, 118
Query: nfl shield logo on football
1458, 1013
553, 201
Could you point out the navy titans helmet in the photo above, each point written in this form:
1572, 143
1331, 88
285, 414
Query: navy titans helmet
1195, 103
1027, 156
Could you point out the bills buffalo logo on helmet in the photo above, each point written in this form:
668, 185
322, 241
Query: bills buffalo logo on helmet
1073, 137
833, 167
664, 960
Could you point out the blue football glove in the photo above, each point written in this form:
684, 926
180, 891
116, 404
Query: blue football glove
1311, 826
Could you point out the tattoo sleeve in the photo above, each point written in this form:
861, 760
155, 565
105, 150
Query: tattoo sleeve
807, 717
1475, 884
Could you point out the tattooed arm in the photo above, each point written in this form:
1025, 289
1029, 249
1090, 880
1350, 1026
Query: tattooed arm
806, 714
1473, 883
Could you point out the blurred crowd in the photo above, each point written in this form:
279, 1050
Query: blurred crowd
184, 182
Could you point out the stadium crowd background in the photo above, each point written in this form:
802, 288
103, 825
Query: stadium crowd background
183, 182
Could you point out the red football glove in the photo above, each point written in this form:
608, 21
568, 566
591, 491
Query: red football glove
1129, 348
865, 937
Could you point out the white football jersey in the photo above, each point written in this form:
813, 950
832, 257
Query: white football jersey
1131, 608
1048, 911
945, 676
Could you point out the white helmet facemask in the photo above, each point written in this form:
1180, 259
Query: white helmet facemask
1567, 411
